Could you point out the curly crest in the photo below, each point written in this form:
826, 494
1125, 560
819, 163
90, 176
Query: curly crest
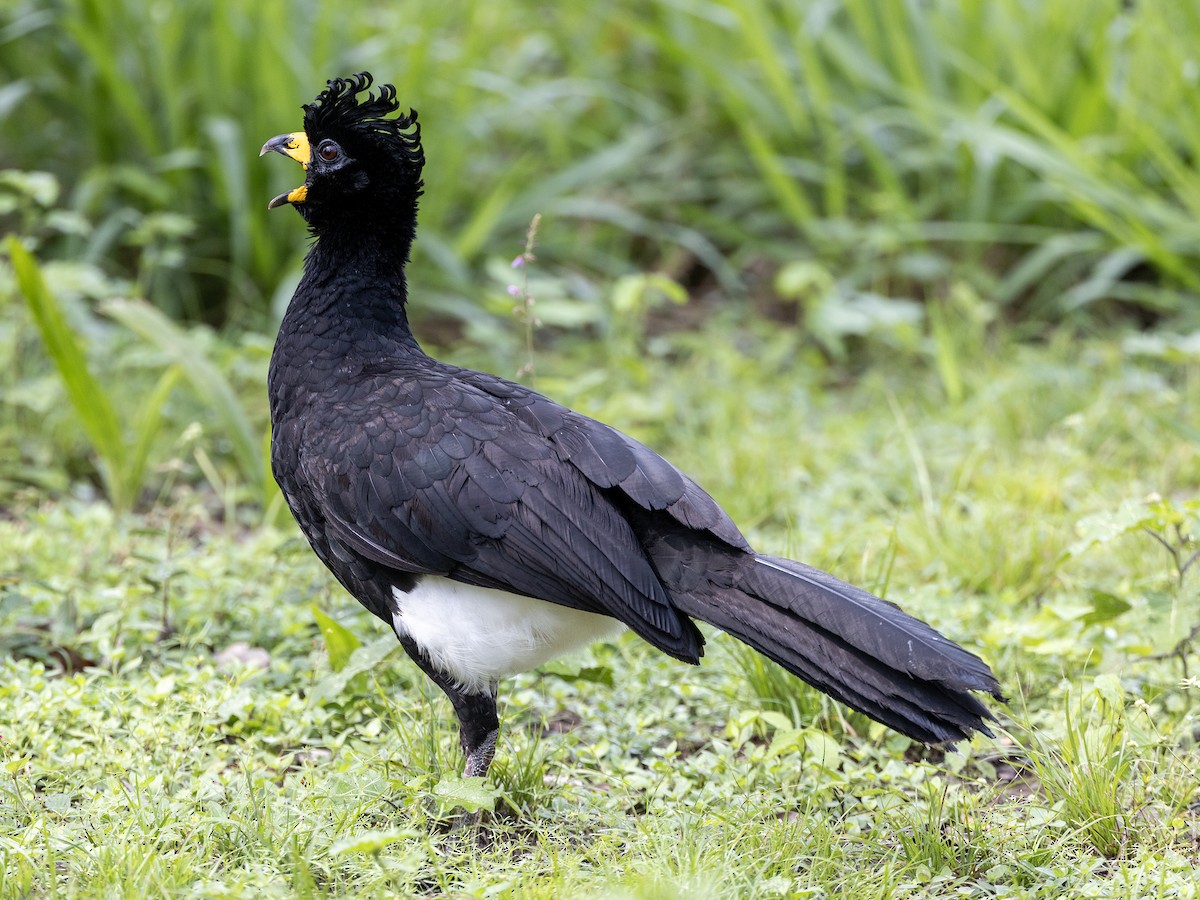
337, 109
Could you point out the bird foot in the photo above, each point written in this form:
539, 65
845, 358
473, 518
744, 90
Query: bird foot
479, 757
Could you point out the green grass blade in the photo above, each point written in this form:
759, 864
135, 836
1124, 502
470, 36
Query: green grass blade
149, 423
91, 403
205, 378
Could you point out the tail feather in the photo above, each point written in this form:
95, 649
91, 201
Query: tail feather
859, 649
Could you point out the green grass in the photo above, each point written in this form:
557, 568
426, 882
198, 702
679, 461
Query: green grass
147, 759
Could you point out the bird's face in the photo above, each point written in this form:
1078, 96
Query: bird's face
362, 166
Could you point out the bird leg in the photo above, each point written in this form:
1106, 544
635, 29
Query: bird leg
479, 727
479, 724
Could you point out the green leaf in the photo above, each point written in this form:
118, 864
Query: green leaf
822, 749
205, 378
469, 793
1176, 348
802, 279
372, 841
862, 313
364, 659
1105, 608
87, 397
776, 720
40, 187
340, 641
636, 293
593, 674
1102, 527
164, 687
148, 423
945, 355
786, 741
1109, 689
16, 764
59, 803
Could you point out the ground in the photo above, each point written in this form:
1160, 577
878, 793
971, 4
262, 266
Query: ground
189, 705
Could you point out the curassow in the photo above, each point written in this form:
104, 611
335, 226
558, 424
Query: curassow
493, 528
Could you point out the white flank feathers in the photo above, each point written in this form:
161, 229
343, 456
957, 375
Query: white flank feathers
478, 635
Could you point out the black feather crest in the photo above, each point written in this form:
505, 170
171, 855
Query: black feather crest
337, 109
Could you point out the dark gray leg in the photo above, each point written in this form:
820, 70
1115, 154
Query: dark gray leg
479, 726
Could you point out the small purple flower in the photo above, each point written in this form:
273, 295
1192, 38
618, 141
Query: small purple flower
519, 262
514, 290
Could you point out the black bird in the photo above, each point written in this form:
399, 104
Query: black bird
493, 528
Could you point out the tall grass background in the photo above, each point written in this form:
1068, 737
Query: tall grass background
1041, 151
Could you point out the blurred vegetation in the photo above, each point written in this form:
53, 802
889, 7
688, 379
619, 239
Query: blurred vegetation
1042, 152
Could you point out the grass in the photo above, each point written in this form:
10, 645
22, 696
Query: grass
123, 462
219, 753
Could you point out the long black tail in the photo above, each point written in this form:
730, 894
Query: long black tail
859, 649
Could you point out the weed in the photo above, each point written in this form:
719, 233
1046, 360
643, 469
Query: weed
122, 462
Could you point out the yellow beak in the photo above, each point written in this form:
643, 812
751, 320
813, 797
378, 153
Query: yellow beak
296, 146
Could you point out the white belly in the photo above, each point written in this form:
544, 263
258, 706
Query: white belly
479, 635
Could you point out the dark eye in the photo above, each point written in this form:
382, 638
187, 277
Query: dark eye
328, 151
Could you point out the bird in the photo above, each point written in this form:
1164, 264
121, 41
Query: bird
494, 529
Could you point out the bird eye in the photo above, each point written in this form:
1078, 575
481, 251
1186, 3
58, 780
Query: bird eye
328, 151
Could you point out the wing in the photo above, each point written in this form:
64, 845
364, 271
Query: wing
612, 460
431, 473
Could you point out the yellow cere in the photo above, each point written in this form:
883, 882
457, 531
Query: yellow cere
298, 148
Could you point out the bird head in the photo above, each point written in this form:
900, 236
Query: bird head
363, 166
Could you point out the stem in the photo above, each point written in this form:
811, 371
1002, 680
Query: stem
524, 311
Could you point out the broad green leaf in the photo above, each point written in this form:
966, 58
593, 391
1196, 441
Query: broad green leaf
207, 381
1108, 687
822, 749
862, 312
59, 803
91, 403
1178, 348
340, 641
40, 187
785, 741
372, 841
593, 674
363, 659
1102, 527
472, 794
163, 687
776, 720
1105, 608
563, 312
637, 293
802, 279
16, 764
